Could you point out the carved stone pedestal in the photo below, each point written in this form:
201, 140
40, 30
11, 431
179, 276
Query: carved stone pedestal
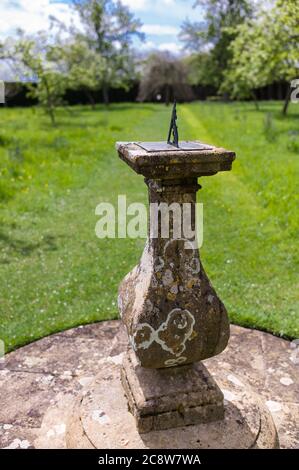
173, 315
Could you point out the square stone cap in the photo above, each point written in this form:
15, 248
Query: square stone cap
176, 163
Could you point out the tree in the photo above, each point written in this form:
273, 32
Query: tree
246, 69
166, 75
285, 46
264, 51
48, 83
213, 36
84, 67
35, 61
201, 69
109, 30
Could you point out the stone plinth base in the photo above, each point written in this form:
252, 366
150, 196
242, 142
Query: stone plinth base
101, 419
172, 397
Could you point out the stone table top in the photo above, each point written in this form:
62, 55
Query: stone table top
40, 380
175, 163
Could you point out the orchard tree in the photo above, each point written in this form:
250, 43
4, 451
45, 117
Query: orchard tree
283, 53
211, 37
247, 69
265, 50
48, 83
164, 75
109, 31
35, 61
84, 67
201, 69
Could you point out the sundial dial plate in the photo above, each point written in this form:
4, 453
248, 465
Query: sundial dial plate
184, 145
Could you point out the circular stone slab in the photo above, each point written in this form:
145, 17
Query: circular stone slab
100, 419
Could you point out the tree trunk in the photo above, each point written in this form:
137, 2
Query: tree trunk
52, 115
287, 101
106, 94
269, 92
280, 94
256, 103
91, 99
167, 95
50, 108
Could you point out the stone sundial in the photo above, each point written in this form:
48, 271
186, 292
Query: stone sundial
158, 393
173, 315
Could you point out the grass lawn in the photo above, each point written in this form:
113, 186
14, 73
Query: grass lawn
55, 273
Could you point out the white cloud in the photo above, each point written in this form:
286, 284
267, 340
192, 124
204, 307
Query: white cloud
173, 47
32, 16
146, 4
147, 45
160, 30
136, 4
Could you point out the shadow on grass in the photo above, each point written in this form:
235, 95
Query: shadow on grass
26, 248
125, 107
287, 117
71, 124
77, 110
65, 116
274, 108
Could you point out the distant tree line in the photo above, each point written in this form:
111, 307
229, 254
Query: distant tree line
238, 51
17, 94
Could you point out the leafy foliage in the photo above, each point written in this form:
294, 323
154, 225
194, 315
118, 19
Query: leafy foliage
85, 67
264, 50
41, 60
109, 31
211, 38
36, 60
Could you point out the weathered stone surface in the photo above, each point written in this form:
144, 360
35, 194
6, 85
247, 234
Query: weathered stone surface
171, 311
50, 402
104, 421
171, 397
282, 376
252, 364
19, 406
51, 434
36, 378
286, 418
17, 437
59, 353
178, 163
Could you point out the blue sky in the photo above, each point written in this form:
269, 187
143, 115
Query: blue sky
161, 18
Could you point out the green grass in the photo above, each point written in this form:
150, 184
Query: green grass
55, 273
